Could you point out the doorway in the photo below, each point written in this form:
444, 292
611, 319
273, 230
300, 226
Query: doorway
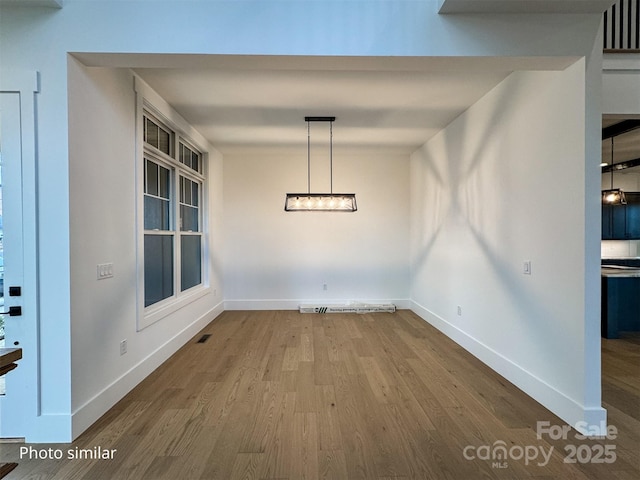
19, 406
10, 207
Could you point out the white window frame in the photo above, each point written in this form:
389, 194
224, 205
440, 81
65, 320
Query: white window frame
150, 104
198, 178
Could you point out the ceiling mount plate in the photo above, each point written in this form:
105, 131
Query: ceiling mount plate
319, 119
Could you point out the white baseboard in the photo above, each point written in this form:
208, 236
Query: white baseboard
91, 411
584, 419
295, 304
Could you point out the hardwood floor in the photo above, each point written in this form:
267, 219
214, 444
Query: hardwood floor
280, 395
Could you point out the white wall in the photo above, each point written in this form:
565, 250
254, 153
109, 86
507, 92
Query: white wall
496, 188
103, 199
278, 259
621, 84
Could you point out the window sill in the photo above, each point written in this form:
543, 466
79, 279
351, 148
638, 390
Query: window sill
156, 313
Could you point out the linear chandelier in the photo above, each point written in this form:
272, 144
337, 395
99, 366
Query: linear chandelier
320, 202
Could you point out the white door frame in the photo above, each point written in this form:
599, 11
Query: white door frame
20, 407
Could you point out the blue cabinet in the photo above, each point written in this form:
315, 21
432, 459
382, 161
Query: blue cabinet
622, 222
620, 305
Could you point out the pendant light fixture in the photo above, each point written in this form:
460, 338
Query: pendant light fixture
320, 202
613, 196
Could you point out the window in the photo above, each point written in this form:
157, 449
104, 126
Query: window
173, 212
159, 236
191, 237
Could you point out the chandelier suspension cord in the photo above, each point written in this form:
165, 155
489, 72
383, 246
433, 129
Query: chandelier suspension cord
308, 157
611, 163
331, 155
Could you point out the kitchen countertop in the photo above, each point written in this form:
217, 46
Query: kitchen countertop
7, 358
9, 355
620, 258
619, 271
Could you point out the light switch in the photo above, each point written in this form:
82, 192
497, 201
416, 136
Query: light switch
105, 270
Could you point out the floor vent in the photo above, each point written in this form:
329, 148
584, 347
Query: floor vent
204, 338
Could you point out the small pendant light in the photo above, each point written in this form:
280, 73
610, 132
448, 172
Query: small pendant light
613, 196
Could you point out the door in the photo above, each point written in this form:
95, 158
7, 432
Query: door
19, 406
619, 222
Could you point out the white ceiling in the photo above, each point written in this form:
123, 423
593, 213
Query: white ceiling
394, 110
259, 102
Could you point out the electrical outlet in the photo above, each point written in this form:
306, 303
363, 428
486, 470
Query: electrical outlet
324, 287
459, 310
123, 347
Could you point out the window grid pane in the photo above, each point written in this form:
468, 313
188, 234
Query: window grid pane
158, 268
189, 211
151, 178
191, 268
164, 142
189, 218
156, 213
189, 158
151, 133
195, 161
164, 183
157, 136
157, 202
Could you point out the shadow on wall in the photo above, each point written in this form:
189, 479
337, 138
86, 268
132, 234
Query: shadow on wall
469, 205
451, 186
